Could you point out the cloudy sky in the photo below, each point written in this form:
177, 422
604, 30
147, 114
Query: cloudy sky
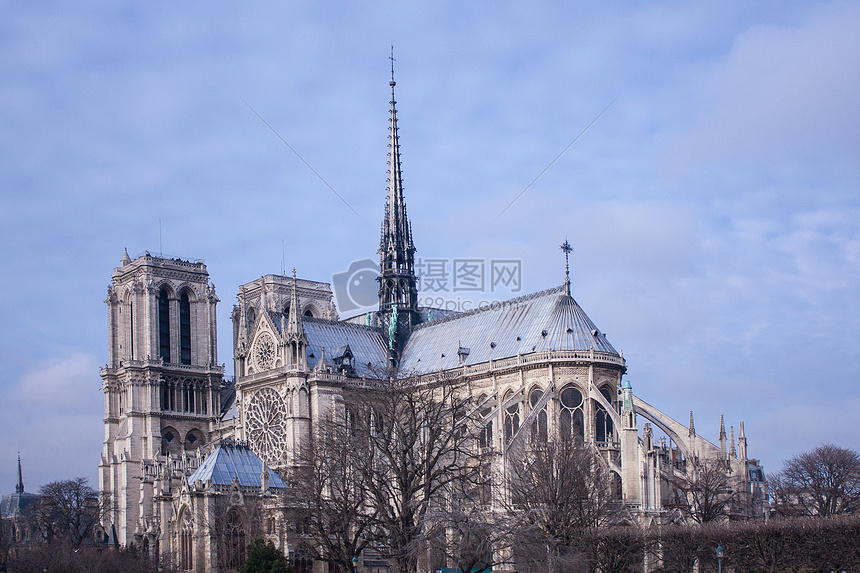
714, 207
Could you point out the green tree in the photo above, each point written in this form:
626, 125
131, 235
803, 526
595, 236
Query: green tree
264, 557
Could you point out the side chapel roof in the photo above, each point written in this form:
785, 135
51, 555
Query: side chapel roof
229, 460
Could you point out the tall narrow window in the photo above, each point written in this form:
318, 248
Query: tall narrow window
540, 432
164, 325
603, 421
184, 329
234, 550
131, 329
485, 438
186, 542
512, 420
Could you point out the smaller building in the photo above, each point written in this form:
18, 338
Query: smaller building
207, 510
17, 516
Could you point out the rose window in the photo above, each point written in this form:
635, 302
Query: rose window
266, 423
264, 352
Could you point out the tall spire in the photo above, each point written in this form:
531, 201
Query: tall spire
19, 487
398, 291
395, 245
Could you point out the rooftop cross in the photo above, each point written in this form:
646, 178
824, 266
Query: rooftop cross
567, 249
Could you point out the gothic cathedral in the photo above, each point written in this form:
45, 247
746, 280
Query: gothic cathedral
185, 449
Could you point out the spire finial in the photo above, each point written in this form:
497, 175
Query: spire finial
19, 487
391, 57
567, 249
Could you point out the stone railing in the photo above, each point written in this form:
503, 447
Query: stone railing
543, 357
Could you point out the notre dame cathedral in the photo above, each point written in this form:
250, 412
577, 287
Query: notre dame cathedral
186, 450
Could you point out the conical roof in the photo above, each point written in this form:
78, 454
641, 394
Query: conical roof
547, 320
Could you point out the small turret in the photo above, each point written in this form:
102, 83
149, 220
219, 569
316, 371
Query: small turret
722, 437
742, 443
297, 342
264, 479
692, 430
732, 452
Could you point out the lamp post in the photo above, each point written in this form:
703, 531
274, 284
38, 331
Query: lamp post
355, 564
720, 552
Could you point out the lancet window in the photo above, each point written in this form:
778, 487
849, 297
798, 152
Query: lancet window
164, 325
485, 437
603, 421
184, 329
539, 430
186, 542
234, 546
512, 420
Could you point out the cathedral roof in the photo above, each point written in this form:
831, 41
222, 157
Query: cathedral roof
365, 342
546, 320
234, 460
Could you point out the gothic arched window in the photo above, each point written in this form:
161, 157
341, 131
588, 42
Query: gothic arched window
184, 329
170, 442
485, 437
540, 432
234, 540
164, 325
603, 421
303, 564
570, 420
186, 542
512, 420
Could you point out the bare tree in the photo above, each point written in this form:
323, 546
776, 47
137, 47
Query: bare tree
707, 490
562, 490
824, 481
468, 533
69, 510
329, 496
421, 439
233, 525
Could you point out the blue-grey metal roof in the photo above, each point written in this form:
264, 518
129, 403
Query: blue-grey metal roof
546, 320
20, 501
229, 460
366, 343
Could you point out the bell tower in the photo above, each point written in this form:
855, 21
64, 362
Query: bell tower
398, 289
162, 383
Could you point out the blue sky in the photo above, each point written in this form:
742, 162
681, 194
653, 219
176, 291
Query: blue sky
714, 208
